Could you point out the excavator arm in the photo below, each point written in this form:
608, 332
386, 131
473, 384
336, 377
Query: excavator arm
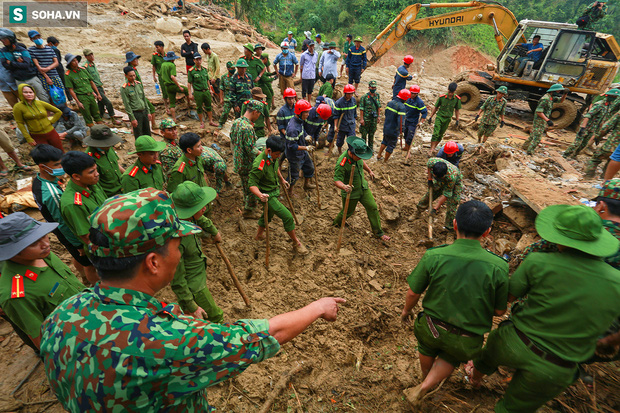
500, 18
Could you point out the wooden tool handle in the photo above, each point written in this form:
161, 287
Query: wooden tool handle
232, 274
344, 211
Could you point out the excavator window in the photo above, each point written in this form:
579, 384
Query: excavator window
602, 51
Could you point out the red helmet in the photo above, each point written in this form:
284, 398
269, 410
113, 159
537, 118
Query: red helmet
451, 147
302, 105
289, 92
404, 94
349, 89
414, 89
408, 59
324, 111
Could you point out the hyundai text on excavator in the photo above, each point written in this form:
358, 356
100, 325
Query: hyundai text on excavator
585, 62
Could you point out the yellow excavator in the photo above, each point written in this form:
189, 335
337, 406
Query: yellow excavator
585, 62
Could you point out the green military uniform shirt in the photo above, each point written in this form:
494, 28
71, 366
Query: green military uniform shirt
186, 170
241, 89
169, 156
134, 99
157, 60
255, 66
177, 354
225, 81
558, 286
370, 104
243, 138
464, 284
94, 73
326, 90
167, 70
78, 203
108, 168
545, 105
198, 78
79, 81
342, 173
260, 122
492, 110
447, 106
450, 180
264, 175
140, 176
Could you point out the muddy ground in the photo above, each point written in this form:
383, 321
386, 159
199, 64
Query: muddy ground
364, 360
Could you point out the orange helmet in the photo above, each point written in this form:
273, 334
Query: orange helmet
324, 111
302, 105
289, 92
408, 59
404, 94
414, 89
349, 89
451, 147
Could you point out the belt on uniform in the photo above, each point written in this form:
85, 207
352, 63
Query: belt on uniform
448, 327
138, 110
552, 358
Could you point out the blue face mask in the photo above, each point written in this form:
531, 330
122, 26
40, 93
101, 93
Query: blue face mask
38, 42
54, 47
285, 51
55, 172
268, 155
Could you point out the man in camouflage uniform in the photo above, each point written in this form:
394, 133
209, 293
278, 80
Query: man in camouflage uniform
611, 127
492, 111
226, 98
259, 125
596, 116
445, 106
243, 138
541, 116
241, 86
370, 110
184, 355
592, 13
446, 181
100, 148
213, 162
171, 153
146, 171
190, 166
267, 79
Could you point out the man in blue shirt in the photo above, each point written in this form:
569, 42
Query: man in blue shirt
286, 66
297, 150
393, 124
534, 53
329, 61
344, 116
290, 41
356, 62
402, 76
414, 107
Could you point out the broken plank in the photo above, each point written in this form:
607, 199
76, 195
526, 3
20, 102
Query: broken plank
525, 240
564, 163
521, 217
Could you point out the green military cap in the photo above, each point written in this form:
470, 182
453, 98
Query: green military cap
358, 39
610, 189
249, 46
612, 92
253, 104
332, 44
372, 84
101, 136
167, 124
87, 52
556, 88
241, 63
359, 147
578, 227
503, 89
146, 143
230, 64
137, 223
189, 198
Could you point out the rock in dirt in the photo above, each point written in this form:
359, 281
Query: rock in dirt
169, 25
526, 240
376, 285
344, 252
390, 208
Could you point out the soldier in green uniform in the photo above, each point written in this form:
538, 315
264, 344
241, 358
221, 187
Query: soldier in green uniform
226, 97
492, 111
259, 125
133, 60
264, 181
541, 117
241, 85
592, 122
446, 181
611, 127
171, 153
256, 69
81, 87
103, 104
345, 51
136, 104
82, 195
168, 74
243, 138
34, 280
120, 323
370, 110
198, 86
100, 148
266, 80
466, 286
360, 191
157, 59
327, 89
146, 171
445, 106
572, 298
213, 162
190, 166
190, 280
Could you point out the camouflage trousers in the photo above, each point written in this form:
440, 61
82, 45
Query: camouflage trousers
538, 128
486, 129
368, 131
452, 203
602, 153
249, 199
228, 106
580, 142
214, 163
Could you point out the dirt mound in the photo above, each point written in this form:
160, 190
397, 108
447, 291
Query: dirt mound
454, 60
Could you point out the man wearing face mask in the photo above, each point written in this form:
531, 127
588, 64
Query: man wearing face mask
286, 66
46, 62
555, 94
47, 192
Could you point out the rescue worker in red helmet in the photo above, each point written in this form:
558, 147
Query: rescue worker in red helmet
297, 150
393, 125
451, 152
402, 76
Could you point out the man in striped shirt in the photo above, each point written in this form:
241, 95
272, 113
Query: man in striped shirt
46, 62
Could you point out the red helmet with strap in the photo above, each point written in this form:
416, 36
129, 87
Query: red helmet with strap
414, 89
302, 105
289, 92
408, 59
324, 111
349, 89
451, 147
404, 94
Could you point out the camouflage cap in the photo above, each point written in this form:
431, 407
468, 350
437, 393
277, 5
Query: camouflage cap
258, 45
253, 104
137, 223
189, 198
372, 84
146, 143
167, 124
610, 189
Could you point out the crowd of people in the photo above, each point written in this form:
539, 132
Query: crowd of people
131, 232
